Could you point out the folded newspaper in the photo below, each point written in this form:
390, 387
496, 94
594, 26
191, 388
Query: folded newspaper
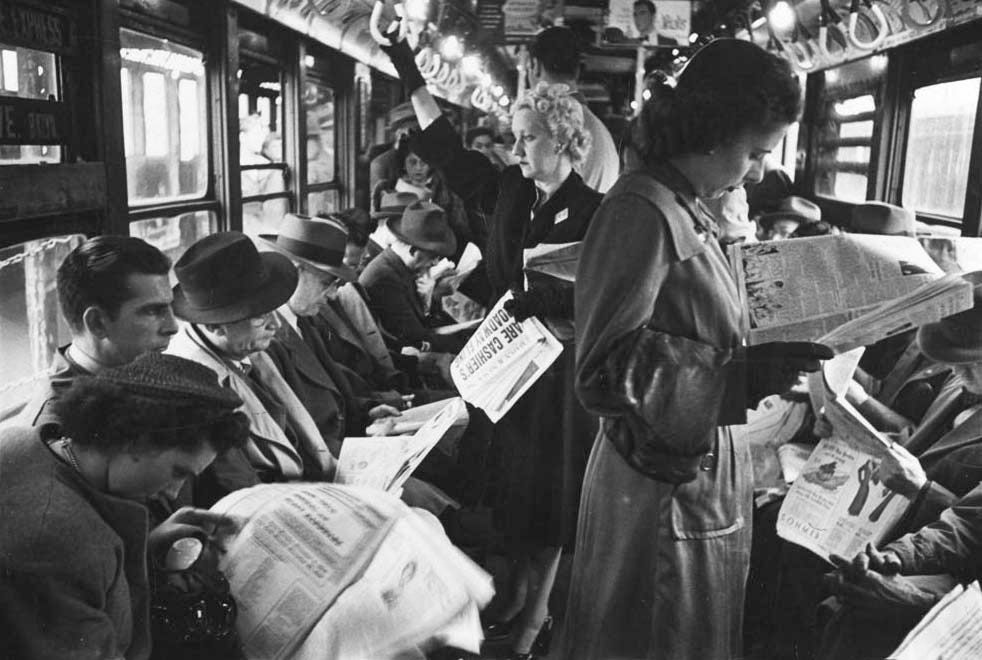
385, 462
502, 360
837, 504
322, 571
802, 289
952, 630
558, 260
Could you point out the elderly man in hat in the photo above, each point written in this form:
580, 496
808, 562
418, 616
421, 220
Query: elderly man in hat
228, 293
316, 248
115, 294
790, 213
422, 236
386, 207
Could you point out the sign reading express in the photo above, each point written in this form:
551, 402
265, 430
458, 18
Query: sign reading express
24, 121
34, 28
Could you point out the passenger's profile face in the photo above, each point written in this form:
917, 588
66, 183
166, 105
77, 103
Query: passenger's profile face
144, 322
484, 144
140, 474
739, 161
312, 290
535, 147
242, 338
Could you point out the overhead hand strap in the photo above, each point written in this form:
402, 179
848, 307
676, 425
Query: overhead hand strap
873, 14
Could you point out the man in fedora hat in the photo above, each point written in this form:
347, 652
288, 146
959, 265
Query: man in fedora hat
387, 205
790, 213
115, 295
316, 248
422, 236
884, 219
228, 293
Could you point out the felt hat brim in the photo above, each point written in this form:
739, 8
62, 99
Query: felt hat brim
343, 272
938, 342
276, 287
446, 247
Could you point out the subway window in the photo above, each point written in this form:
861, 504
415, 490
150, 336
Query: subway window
165, 121
31, 324
26, 73
319, 106
939, 147
174, 234
850, 110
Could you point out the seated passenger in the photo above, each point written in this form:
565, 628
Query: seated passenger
116, 298
228, 293
73, 528
422, 237
386, 206
790, 214
360, 225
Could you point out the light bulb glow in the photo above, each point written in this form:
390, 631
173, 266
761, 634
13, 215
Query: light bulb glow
497, 90
417, 10
693, 38
646, 94
470, 65
504, 101
451, 48
781, 17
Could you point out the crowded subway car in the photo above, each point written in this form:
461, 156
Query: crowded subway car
621, 329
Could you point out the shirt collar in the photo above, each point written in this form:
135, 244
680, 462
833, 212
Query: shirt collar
289, 316
83, 360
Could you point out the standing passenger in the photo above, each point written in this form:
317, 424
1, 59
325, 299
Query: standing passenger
663, 542
540, 446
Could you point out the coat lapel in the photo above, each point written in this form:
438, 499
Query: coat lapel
303, 358
967, 433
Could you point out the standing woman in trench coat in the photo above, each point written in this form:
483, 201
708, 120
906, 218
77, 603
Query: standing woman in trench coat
663, 540
540, 447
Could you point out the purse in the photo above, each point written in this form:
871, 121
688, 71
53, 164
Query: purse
669, 390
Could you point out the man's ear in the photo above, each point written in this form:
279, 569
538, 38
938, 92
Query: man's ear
95, 320
534, 71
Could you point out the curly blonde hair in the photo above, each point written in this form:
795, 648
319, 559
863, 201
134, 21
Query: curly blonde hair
563, 115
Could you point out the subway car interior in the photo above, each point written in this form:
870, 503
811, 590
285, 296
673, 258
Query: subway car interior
178, 121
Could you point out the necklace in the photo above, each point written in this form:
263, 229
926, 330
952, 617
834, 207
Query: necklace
70, 453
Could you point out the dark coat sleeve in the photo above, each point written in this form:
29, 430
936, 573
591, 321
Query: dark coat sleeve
397, 315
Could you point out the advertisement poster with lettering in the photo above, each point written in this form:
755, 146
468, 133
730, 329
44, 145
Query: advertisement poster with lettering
524, 18
656, 22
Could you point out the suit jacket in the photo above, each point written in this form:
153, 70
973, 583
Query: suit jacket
306, 367
269, 453
73, 561
391, 289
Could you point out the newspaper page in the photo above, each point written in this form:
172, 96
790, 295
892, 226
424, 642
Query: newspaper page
460, 307
837, 504
418, 592
954, 254
557, 260
298, 548
928, 303
502, 360
802, 289
952, 630
386, 462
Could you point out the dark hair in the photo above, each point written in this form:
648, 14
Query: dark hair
359, 224
557, 50
806, 229
728, 87
403, 149
94, 274
647, 3
112, 417
474, 133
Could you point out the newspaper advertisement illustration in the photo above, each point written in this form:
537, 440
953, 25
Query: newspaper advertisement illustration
502, 360
952, 630
386, 462
838, 504
800, 290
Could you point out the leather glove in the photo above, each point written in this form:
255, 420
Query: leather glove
405, 63
774, 367
525, 304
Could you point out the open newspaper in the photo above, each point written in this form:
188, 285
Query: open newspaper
330, 572
837, 504
502, 360
385, 462
557, 260
952, 630
803, 289
459, 306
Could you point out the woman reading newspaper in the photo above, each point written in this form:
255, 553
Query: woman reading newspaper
663, 543
540, 446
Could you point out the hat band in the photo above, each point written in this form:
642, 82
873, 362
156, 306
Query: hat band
311, 252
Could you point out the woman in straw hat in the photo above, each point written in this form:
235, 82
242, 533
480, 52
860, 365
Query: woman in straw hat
539, 450
74, 535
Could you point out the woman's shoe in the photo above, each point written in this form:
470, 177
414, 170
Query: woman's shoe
496, 631
540, 647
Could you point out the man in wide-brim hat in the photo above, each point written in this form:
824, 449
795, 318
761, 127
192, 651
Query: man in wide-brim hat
422, 237
228, 293
790, 213
387, 206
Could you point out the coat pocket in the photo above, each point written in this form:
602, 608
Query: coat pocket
717, 501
